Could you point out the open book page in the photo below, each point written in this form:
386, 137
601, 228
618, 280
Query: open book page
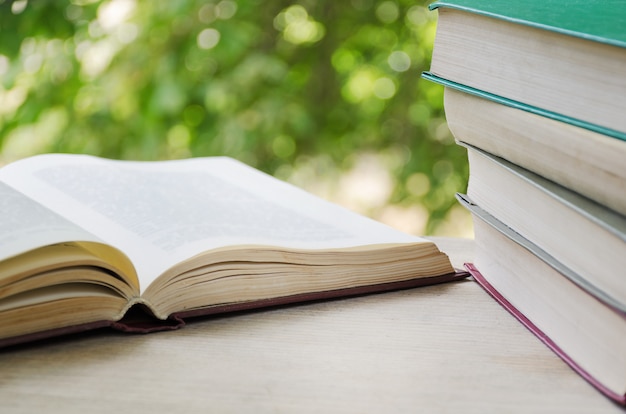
160, 213
26, 225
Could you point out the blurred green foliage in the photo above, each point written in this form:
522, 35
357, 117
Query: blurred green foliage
271, 83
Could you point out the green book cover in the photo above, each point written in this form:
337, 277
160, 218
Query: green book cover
601, 21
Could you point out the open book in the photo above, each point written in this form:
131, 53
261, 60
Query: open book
83, 240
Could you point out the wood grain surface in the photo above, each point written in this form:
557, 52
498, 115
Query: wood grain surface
447, 348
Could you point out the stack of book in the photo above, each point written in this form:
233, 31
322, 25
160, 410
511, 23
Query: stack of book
537, 94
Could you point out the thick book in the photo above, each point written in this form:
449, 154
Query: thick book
573, 157
87, 242
586, 333
584, 236
562, 58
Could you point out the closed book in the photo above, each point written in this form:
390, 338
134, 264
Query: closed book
561, 57
587, 162
588, 334
584, 236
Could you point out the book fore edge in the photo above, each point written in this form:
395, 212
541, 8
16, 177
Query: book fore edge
525, 107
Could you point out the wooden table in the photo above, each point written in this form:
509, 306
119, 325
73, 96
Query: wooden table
446, 348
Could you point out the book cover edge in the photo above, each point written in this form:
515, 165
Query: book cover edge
610, 220
600, 295
142, 322
545, 339
309, 297
599, 38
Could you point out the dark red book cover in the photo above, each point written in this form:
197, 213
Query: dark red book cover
139, 320
480, 279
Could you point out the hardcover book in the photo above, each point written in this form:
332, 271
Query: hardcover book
584, 236
87, 242
576, 158
564, 59
586, 333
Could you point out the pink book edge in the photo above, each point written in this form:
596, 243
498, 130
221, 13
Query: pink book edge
480, 279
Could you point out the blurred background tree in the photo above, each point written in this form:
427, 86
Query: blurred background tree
325, 94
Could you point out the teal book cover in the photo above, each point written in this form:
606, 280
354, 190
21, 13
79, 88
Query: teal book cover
601, 21
525, 107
